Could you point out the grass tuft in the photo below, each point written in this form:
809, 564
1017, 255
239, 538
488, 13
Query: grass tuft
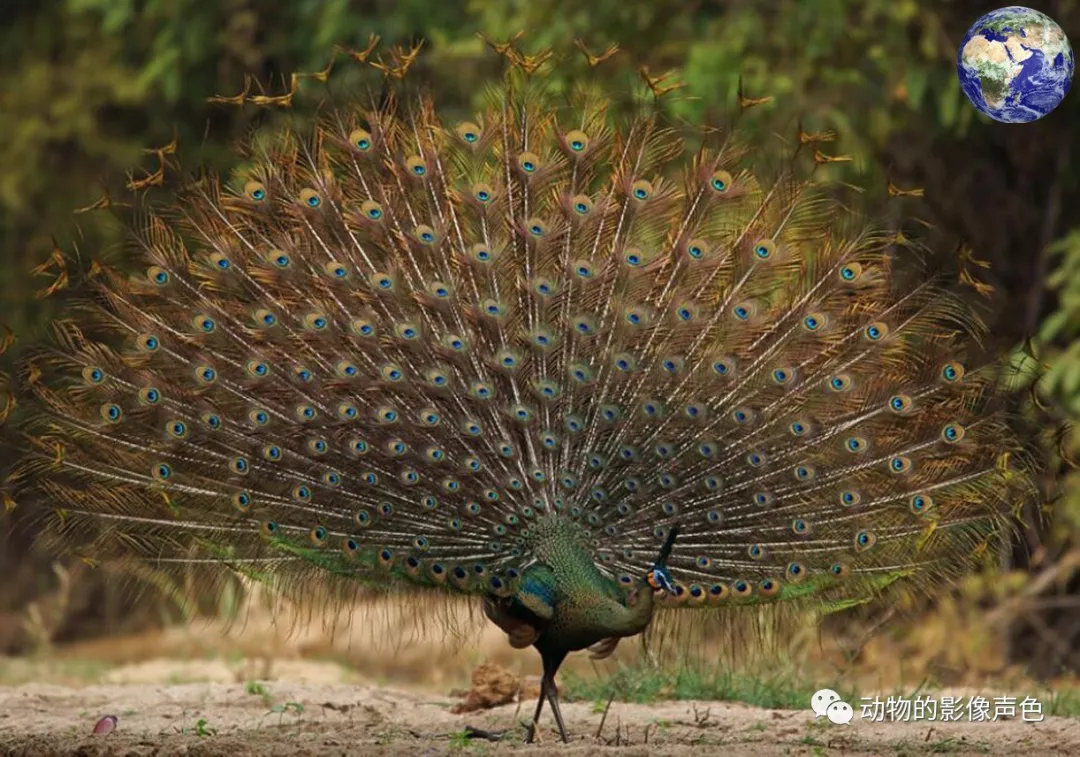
644, 683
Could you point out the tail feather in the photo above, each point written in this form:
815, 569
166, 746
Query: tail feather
389, 346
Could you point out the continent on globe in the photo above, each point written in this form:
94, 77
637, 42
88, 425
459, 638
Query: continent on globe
1015, 64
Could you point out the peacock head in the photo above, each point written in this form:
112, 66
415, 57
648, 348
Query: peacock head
659, 577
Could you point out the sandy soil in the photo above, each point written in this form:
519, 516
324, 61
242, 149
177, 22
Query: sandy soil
287, 718
262, 690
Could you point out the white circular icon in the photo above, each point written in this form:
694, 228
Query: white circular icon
840, 713
821, 700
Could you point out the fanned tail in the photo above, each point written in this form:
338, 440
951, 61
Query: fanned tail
394, 349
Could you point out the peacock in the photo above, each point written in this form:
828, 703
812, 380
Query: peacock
568, 356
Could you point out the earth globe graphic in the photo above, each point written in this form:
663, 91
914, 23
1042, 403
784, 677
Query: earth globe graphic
1015, 65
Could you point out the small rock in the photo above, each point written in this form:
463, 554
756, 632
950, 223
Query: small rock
106, 725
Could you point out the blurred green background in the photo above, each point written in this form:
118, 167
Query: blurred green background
87, 85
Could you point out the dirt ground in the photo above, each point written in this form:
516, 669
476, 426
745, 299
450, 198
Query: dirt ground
259, 689
284, 718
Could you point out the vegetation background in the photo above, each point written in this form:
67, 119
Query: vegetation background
87, 85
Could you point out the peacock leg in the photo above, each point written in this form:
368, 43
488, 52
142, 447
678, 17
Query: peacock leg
536, 715
553, 697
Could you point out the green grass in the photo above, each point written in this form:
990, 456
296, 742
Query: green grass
644, 684
1065, 703
21, 670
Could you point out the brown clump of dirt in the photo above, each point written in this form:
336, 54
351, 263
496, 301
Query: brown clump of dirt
494, 686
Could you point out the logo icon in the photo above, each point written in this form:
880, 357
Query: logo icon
827, 703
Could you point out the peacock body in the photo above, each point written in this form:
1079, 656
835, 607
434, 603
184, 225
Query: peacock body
547, 357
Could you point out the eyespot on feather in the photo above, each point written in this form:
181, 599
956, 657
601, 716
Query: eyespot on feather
278, 258
529, 163
536, 228
864, 540
696, 249
641, 190
769, 587
92, 375
744, 311
952, 372
876, 331
255, 190
850, 272
952, 433
310, 198
336, 270
468, 132
219, 261
158, 275
920, 504
425, 235
576, 141
900, 464
241, 501
581, 205
371, 210
741, 589
720, 182
483, 193
900, 403
718, 592
764, 249
416, 166
814, 322
360, 140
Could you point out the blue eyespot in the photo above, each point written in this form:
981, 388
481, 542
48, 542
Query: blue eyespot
855, 444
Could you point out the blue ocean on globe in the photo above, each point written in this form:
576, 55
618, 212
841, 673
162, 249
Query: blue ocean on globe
1015, 64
